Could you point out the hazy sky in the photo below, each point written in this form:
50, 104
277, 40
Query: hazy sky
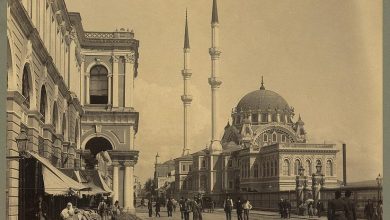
323, 57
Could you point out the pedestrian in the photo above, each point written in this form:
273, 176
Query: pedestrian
247, 206
102, 207
337, 208
187, 209
310, 209
68, 212
40, 209
227, 207
150, 207
281, 208
320, 208
169, 207
369, 210
239, 209
157, 207
116, 210
181, 206
174, 204
196, 209
380, 210
351, 205
288, 208
212, 205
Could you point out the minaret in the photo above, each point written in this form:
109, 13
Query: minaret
214, 82
186, 98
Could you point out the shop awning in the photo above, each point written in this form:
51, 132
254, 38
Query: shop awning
56, 182
95, 183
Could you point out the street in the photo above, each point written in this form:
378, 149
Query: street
217, 215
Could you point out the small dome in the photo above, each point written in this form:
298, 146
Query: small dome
261, 100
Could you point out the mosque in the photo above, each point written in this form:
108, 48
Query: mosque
261, 151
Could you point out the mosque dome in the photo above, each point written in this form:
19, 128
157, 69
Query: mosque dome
262, 99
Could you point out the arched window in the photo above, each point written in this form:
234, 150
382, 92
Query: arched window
272, 168
284, 138
42, 104
274, 137
55, 117
265, 138
329, 168
256, 170
98, 88
297, 165
26, 86
255, 118
286, 168
308, 168
263, 170
264, 117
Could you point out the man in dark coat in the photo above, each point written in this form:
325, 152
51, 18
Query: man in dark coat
170, 207
351, 206
239, 209
150, 207
281, 205
40, 209
320, 208
369, 210
337, 208
181, 205
157, 206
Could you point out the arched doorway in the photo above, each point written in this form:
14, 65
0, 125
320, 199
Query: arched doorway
96, 145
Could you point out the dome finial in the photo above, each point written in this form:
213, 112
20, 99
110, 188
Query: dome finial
262, 84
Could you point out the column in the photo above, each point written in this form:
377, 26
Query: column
129, 78
109, 89
128, 188
115, 82
131, 142
87, 76
82, 80
115, 181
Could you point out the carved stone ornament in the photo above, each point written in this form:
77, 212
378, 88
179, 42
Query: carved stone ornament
115, 58
130, 58
98, 128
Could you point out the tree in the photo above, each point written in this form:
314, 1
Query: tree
150, 188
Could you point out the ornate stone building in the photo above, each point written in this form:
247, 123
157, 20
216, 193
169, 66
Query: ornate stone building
261, 151
71, 91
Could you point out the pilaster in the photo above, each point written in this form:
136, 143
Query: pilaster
115, 81
129, 78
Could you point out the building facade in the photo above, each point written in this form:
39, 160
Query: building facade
71, 91
262, 149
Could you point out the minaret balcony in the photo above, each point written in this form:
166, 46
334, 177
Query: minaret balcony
214, 82
186, 73
187, 99
215, 52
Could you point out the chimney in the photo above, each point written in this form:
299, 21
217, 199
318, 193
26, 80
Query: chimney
345, 164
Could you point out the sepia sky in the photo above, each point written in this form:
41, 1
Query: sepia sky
323, 57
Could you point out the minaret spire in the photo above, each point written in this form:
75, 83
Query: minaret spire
214, 15
214, 81
186, 36
186, 98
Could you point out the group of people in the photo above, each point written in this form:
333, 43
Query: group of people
242, 208
372, 212
104, 210
342, 208
284, 208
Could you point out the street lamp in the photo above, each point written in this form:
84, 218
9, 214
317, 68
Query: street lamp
21, 141
379, 180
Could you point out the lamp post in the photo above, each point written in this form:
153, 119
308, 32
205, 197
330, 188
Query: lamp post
21, 141
379, 180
